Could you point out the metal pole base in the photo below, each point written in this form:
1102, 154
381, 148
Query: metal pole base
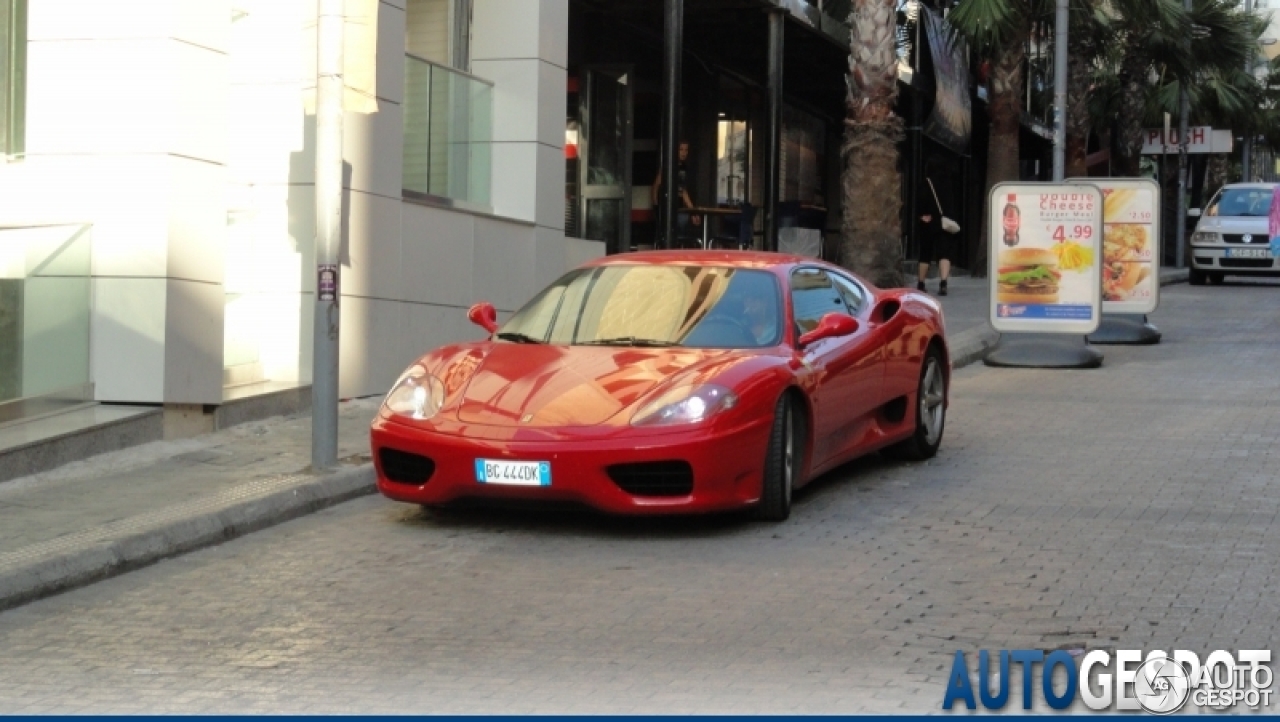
1125, 328
1043, 351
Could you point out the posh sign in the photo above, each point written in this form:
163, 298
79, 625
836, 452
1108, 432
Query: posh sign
1200, 139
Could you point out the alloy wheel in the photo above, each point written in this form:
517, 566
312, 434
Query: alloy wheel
932, 397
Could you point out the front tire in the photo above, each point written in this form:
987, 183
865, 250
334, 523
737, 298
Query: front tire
931, 411
1197, 277
780, 465
1217, 278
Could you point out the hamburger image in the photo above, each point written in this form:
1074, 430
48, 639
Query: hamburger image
1027, 275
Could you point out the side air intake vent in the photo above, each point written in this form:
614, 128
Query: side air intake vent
654, 478
405, 468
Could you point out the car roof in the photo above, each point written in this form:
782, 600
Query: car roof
698, 257
1268, 186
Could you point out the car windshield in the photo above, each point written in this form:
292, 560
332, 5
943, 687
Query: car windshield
648, 305
1240, 202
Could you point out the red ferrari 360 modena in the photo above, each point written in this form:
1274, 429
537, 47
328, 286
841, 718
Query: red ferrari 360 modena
670, 381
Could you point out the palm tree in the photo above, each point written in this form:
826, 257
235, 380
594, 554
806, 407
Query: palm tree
1091, 30
998, 31
872, 227
1161, 46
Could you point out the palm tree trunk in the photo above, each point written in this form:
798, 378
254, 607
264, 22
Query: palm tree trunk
1077, 149
1133, 70
1005, 110
871, 237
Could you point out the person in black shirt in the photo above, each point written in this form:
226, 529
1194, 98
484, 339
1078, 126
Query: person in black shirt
936, 245
683, 199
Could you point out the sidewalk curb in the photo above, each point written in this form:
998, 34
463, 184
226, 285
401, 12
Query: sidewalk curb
23, 581
971, 346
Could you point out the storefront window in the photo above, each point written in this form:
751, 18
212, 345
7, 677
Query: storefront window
731, 162
803, 150
44, 313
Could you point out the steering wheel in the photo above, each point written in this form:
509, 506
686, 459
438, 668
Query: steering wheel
741, 334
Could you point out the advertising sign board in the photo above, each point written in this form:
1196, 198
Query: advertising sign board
1045, 257
1130, 243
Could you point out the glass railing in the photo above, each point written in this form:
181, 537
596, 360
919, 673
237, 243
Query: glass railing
448, 133
44, 314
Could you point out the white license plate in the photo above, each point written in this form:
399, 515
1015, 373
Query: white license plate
514, 473
1248, 253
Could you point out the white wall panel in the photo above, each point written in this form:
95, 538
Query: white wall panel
437, 259
196, 211
504, 264
515, 177
127, 345
371, 254
515, 99
505, 29
193, 342
372, 147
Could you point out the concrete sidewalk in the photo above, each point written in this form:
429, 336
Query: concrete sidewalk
111, 513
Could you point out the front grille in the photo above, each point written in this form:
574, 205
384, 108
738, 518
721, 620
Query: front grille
405, 468
1257, 239
654, 478
1204, 260
1246, 263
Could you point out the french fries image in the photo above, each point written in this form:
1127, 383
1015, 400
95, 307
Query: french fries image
1115, 202
1073, 256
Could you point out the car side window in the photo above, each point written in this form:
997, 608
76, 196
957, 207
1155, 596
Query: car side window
1212, 208
855, 296
813, 295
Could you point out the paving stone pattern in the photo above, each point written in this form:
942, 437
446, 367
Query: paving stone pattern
1129, 506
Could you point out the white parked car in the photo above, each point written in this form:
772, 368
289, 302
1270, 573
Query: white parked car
1231, 235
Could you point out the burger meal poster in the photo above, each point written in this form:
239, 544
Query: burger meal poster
1131, 227
1045, 256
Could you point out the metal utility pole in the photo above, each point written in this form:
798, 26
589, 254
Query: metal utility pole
773, 167
1061, 21
1246, 150
671, 77
1184, 109
324, 370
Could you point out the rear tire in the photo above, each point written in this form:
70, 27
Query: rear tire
930, 412
1196, 277
780, 464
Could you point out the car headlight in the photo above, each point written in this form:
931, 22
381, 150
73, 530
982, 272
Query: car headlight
417, 395
685, 405
1205, 237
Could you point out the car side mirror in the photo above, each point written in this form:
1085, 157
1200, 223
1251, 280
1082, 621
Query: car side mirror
1193, 212
483, 315
832, 325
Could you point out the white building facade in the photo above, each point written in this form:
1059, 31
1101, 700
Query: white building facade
157, 213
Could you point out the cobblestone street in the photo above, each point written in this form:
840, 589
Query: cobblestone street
1129, 506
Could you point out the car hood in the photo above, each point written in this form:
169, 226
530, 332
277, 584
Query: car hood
539, 386
1234, 224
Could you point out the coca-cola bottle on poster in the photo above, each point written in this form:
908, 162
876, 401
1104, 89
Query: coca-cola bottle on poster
1012, 220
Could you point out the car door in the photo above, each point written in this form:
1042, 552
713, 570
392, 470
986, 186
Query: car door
846, 370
